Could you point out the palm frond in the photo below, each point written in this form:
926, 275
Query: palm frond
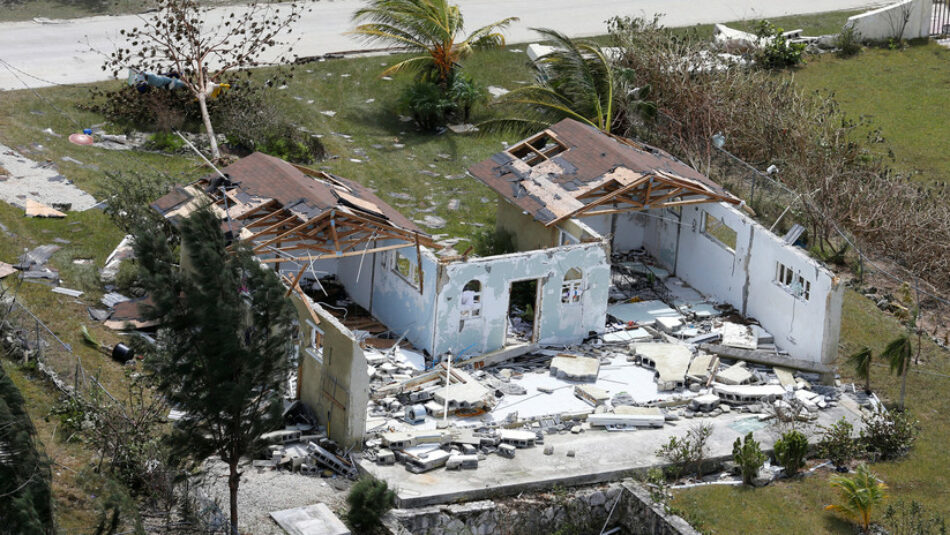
898, 353
861, 362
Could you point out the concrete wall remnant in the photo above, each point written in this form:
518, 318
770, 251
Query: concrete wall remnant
908, 19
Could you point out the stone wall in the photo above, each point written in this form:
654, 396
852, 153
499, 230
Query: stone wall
571, 511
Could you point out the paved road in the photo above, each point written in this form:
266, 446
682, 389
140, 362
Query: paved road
64, 52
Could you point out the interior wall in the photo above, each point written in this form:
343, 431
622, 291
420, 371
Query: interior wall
746, 279
528, 234
398, 304
559, 323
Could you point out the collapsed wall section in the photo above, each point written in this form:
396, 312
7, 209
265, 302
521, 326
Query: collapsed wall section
333, 380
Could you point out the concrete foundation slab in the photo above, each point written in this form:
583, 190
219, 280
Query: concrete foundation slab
643, 312
599, 456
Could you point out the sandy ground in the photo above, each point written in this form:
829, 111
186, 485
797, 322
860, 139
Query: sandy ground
264, 490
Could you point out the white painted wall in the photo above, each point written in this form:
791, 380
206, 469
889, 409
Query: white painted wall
745, 278
885, 23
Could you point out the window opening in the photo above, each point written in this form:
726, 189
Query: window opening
719, 231
794, 283
405, 268
571, 289
471, 302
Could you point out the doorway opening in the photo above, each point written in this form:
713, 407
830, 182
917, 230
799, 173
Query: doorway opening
524, 310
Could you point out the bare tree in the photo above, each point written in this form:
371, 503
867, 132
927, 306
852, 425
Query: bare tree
196, 48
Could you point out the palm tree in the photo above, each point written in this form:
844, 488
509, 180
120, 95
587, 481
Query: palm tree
429, 29
577, 80
862, 366
860, 494
898, 353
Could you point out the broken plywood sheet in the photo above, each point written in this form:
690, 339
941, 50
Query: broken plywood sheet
38, 209
315, 519
6, 270
736, 374
642, 312
575, 368
741, 336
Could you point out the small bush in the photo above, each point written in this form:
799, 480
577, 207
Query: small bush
688, 451
776, 51
837, 445
426, 104
904, 519
889, 434
848, 43
491, 242
155, 110
165, 142
748, 455
790, 451
369, 499
464, 93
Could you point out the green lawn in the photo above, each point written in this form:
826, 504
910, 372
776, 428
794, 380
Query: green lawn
797, 506
904, 93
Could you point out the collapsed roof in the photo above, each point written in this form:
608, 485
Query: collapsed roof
292, 213
571, 169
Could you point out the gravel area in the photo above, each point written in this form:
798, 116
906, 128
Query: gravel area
27, 179
264, 490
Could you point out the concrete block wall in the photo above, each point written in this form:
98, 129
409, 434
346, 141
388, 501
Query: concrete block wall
886, 22
559, 323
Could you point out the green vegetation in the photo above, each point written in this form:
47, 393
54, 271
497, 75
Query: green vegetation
778, 52
223, 353
859, 495
25, 496
369, 500
747, 453
913, 118
790, 451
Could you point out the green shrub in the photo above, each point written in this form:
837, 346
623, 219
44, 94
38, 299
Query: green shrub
776, 51
252, 123
688, 451
848, 42
748, 455
464, 93
155, 110
369, 499
426, 104
127, 279
491, 242
165, 142
889, 434
790, 451
837, 445
904, 519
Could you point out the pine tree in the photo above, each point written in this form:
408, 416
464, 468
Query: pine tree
25, 496
224, 344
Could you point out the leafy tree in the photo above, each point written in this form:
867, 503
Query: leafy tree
837, 445
25, 497
898, 353
432, 32
369, 499
577, 80
862, 366
183, 39
790, 451
225, 343
859, 494
128, 195
747, 453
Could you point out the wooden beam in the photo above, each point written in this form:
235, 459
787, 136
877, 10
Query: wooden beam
419, 263
296, 280
329, 256
291, 231
602, 200
257, 208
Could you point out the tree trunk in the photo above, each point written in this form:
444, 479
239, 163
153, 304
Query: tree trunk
233, 481
904, 381
203, 104
867, 380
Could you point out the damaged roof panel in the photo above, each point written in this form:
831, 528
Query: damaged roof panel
553, 182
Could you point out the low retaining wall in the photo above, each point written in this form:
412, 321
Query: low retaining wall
908, 19
626, 505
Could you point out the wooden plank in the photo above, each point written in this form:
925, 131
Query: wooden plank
325, 257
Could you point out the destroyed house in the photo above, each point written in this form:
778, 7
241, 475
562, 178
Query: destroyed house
642, 199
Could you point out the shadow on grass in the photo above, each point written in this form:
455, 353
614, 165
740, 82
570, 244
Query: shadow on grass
836, 524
